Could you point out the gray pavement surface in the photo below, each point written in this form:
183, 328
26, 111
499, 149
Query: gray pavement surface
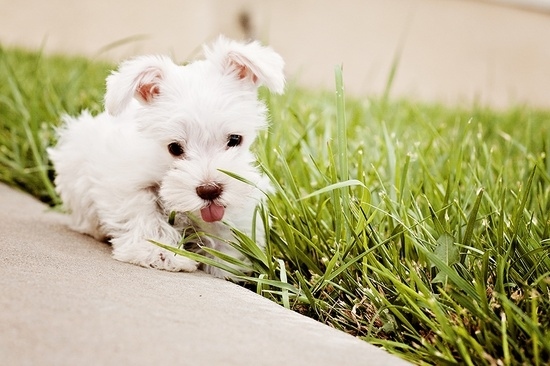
65, 301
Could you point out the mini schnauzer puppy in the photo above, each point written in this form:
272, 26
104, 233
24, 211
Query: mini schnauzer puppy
165, 143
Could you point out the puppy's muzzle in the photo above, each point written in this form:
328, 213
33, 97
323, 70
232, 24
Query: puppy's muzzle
210, 192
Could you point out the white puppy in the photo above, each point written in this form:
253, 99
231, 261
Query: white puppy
162, 144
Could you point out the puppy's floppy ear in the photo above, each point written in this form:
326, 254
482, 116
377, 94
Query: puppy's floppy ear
252, 63
141, 78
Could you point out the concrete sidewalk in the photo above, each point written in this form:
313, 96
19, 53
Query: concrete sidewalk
64, 301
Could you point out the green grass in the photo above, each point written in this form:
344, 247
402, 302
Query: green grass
419, 228
34, 92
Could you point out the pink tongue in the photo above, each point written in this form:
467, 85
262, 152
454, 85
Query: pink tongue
212, 212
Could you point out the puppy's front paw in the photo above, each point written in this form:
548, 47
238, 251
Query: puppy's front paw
169, 261
156, 258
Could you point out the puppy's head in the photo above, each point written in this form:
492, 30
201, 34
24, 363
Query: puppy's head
204, 117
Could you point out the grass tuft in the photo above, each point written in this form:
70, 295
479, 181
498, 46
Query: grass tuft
419, 228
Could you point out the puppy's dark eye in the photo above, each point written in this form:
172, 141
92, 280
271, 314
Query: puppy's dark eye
175, 149
234, 140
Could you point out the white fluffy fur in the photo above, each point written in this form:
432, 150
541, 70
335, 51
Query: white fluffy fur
120, 182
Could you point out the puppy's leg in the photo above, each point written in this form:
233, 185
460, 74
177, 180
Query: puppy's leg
133, 247
135, 223
226, 249
220, 242
129, 248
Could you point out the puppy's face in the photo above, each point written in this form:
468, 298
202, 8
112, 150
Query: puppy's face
208, 124
204, 117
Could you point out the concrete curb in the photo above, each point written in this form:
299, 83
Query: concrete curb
64, 301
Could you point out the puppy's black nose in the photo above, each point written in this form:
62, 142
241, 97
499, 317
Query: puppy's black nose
209, 191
